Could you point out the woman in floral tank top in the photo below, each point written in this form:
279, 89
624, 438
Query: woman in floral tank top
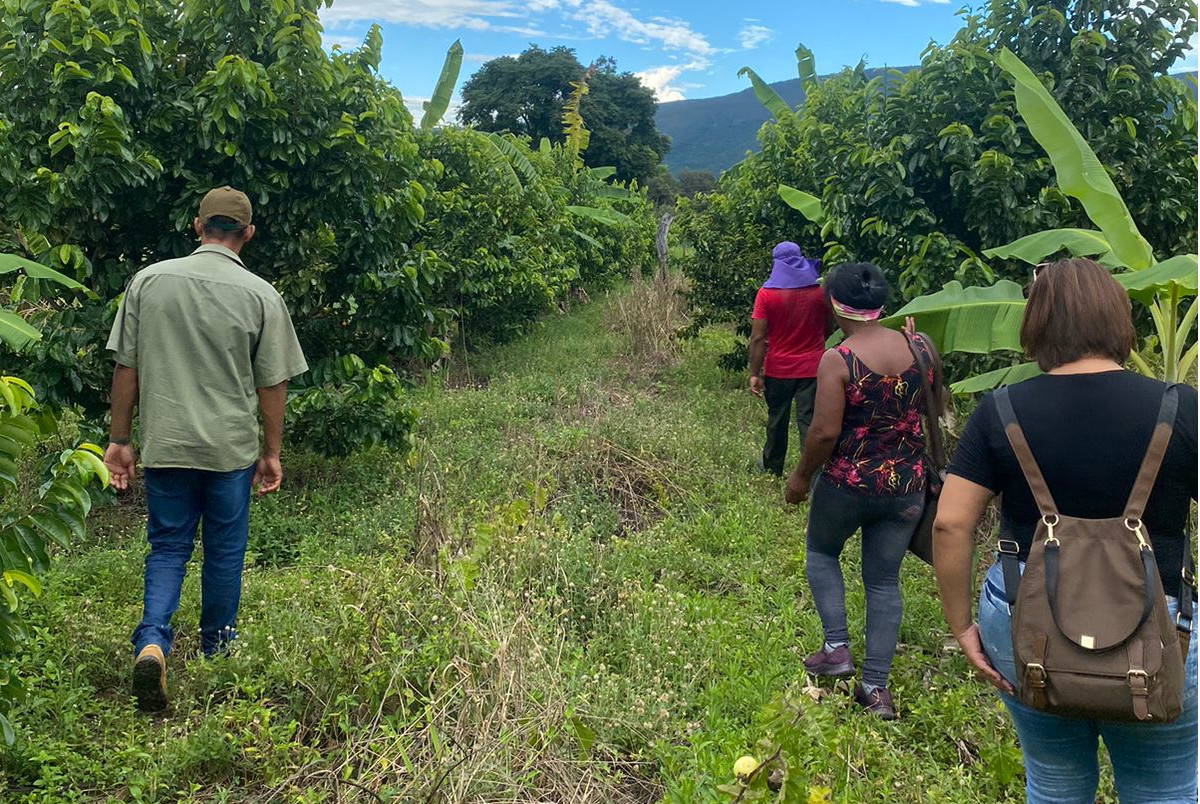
868, 441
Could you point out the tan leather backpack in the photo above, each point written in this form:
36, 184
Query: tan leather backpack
1092, 636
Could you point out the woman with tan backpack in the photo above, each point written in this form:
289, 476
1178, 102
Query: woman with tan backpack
1084, 621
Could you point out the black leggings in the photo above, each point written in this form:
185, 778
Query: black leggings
887, 525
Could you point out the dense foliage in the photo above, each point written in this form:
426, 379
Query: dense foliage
525, 95
153, 103
45, 493
923, 171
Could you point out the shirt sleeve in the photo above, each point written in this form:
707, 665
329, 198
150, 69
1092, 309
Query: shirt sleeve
973, 459
760, 305
278, 356
122, 339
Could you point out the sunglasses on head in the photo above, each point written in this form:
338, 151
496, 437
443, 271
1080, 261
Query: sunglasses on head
1037, 271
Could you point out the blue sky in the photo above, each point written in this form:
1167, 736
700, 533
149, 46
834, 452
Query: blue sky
680, 49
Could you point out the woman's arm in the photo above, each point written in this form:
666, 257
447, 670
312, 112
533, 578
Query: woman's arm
960, 508
832, 376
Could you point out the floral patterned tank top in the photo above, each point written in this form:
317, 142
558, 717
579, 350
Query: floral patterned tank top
881, 448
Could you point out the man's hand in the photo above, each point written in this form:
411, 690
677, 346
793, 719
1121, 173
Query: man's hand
268, 474
797, 489
972, 648
121, 462
756, 385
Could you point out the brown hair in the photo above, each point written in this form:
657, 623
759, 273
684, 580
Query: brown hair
1076, 310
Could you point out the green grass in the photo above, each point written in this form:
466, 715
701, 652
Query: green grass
575, 591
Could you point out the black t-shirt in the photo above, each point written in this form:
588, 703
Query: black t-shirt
1089, 434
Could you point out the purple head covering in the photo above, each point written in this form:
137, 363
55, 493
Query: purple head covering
791, 269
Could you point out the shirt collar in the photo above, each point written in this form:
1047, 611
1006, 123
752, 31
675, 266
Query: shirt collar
214, 248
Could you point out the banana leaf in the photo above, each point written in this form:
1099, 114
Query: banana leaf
1145, 285
977, 320
1038, 246
1080, 174
11, 262
519, 162
608, 217
995, 379
544, 146
806, 66
500, 163
806, 204
608, 171
766, 96
15, 333
436, 106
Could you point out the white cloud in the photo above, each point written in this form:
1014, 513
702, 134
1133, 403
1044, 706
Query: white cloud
471, 14
329, 41
751, 36
603, 18
663, 80
416, 108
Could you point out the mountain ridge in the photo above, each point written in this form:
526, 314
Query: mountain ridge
714, 134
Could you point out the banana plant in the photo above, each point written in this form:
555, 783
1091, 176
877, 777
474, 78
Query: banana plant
436, 106
806, 68
1116, 243
15, 332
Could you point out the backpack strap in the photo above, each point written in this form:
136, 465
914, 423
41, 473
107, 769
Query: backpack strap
1163, 429
1020, 447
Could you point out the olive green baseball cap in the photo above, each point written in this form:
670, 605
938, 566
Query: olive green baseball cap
227, 202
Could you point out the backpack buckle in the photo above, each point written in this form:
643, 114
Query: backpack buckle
1035, 675
1139, 682
1008, 547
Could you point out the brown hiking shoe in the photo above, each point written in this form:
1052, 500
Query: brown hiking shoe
878, 702
835, 663
150, 679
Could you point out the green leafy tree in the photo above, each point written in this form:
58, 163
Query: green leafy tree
34, 512
525, 95
117, 117
922, 172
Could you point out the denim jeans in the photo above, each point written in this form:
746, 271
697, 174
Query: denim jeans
178, 501
1152, 762
887, 526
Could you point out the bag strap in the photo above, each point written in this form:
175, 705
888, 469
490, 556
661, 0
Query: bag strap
1163, 429
937, 449
1020, 448
1187, 588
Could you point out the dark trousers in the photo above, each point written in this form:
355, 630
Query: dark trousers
779, 395
178, 501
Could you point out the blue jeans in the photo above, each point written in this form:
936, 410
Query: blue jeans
178, 500
1152, 763
887, 526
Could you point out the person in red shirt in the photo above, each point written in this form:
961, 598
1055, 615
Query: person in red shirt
788, 330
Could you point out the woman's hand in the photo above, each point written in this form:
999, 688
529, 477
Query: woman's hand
910, 326
797, 489
972, 648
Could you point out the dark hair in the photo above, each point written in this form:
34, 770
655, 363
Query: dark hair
222, 227
1076, 310
857, 284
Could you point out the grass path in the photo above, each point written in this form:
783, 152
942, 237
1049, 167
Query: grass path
575, 590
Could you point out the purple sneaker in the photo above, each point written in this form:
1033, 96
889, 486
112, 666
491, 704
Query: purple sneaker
836, 662
877, 702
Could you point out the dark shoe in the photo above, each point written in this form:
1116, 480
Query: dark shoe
150, 679
878, 703
836, 662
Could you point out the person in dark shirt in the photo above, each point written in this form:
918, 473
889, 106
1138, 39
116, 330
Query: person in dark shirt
1088, 423
867, 441
788, 330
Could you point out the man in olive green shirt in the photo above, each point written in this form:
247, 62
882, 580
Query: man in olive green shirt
201, 345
